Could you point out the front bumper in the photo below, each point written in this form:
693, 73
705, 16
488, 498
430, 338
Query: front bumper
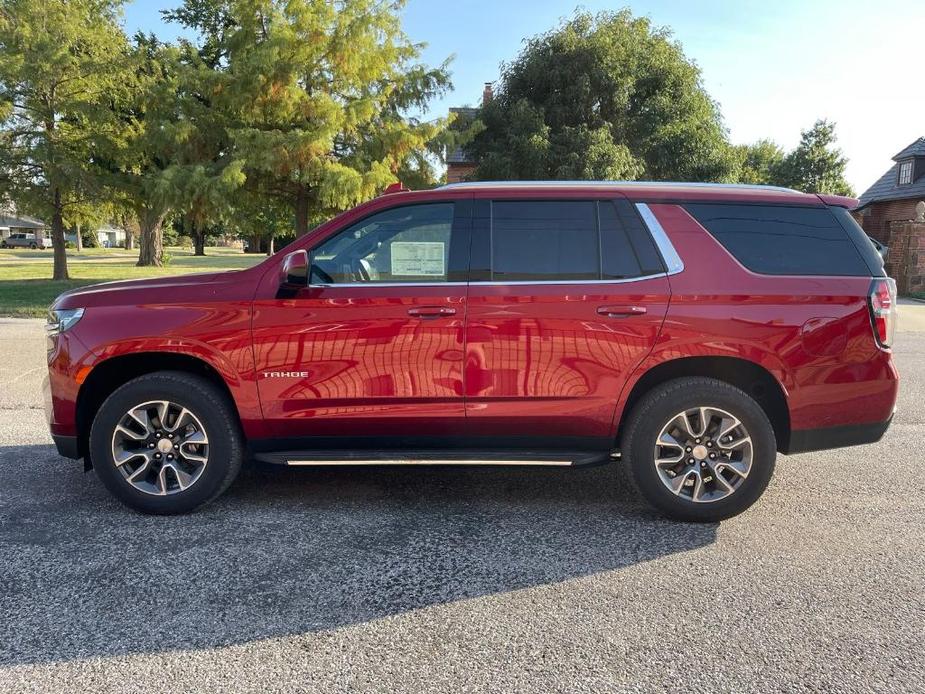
805, 440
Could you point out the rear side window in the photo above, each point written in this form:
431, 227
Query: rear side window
542, 240
573, 240
779, 240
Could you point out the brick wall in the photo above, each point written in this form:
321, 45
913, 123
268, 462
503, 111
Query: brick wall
906, 259
457, 173
880, 215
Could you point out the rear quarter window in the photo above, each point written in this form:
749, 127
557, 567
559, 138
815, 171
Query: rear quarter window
781, 240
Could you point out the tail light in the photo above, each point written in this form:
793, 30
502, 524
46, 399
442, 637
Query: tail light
882, 304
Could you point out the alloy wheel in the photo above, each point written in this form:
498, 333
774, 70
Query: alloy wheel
160, 447
703, 454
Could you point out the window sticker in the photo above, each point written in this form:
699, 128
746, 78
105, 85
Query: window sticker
418, 259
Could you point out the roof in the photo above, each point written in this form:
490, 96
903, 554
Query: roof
458, 155
887, 186
916, 149
22, 222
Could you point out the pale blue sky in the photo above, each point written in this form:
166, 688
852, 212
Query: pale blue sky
774, 66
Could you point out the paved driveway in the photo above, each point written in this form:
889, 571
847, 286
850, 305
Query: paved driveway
461, 580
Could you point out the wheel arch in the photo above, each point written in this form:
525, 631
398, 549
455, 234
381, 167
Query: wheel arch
116, 371
748, 376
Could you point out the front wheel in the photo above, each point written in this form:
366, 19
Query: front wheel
166, 443
700, 449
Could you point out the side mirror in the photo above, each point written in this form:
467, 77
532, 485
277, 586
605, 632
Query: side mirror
293, 272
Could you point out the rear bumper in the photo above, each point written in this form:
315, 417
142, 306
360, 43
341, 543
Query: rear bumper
805, 440
67, 446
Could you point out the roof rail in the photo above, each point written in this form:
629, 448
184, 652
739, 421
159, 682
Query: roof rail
631, 184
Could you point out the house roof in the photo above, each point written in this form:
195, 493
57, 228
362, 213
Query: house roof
916, 149
887, 186
458, 155
22, 222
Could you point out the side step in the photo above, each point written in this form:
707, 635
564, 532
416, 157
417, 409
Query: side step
436, 457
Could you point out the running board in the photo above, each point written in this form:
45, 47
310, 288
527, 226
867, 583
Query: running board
436, 457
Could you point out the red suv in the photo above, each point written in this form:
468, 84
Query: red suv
690, 331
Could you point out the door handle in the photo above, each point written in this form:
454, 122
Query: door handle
431, 311
620, 311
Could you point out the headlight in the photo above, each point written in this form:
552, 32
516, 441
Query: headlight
58, 321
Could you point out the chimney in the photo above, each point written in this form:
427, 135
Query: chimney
487, 94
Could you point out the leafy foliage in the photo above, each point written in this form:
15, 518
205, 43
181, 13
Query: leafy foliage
816, 165
314, 96
62, 64
604, 96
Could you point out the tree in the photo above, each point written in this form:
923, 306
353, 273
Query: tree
314, 97
61, 64
602, 96
816, 165
759, 163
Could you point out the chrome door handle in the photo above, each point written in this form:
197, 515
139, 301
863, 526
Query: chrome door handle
431, 311
620, 311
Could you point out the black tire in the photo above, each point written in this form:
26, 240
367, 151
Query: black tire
658, 407
33, 246
208, 403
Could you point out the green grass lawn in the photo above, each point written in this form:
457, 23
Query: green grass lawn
26, 291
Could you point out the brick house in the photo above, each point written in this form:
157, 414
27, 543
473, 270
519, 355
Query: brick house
894, 196
459, 165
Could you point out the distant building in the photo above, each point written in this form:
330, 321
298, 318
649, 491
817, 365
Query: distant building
12, 224
459, 164
894, 196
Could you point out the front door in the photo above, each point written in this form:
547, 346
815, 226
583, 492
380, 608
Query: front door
373, 347
566, 298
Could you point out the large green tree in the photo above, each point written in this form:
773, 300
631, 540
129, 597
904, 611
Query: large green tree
759, 162
606, 96
62, 62
816, 165
315, 97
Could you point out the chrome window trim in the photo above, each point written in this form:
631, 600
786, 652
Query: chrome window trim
490, 283
666, 248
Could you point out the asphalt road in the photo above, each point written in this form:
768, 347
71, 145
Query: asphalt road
393, 580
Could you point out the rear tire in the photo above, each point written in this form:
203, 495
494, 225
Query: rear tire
167, 414
706, 483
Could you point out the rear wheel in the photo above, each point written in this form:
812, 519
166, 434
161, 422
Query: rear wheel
166, 443
33, 246
700, 449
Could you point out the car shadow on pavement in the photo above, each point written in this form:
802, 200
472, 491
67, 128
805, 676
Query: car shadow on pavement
290, 551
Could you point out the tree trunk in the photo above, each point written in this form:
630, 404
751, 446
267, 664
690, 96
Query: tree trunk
57, 240
301, 212
199, 239
256, 246
78, 240
270, 246
129, 240
151, 241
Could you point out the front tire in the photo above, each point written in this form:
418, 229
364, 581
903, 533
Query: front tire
166, 443
699, 449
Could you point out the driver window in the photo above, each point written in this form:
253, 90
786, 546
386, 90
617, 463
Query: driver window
402, 244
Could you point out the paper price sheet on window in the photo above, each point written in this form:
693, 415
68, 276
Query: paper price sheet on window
418, 259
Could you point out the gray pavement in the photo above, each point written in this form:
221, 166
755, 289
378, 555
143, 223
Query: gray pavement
394, 580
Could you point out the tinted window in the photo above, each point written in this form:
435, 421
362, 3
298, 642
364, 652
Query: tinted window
402, 244
862, 241
618, 258
544, 240
778, 240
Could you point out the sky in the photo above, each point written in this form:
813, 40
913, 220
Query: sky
773, 66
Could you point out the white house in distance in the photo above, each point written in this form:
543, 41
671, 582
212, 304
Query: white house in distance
11, 224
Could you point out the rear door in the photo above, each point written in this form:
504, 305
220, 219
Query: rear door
566, 297
373, 347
